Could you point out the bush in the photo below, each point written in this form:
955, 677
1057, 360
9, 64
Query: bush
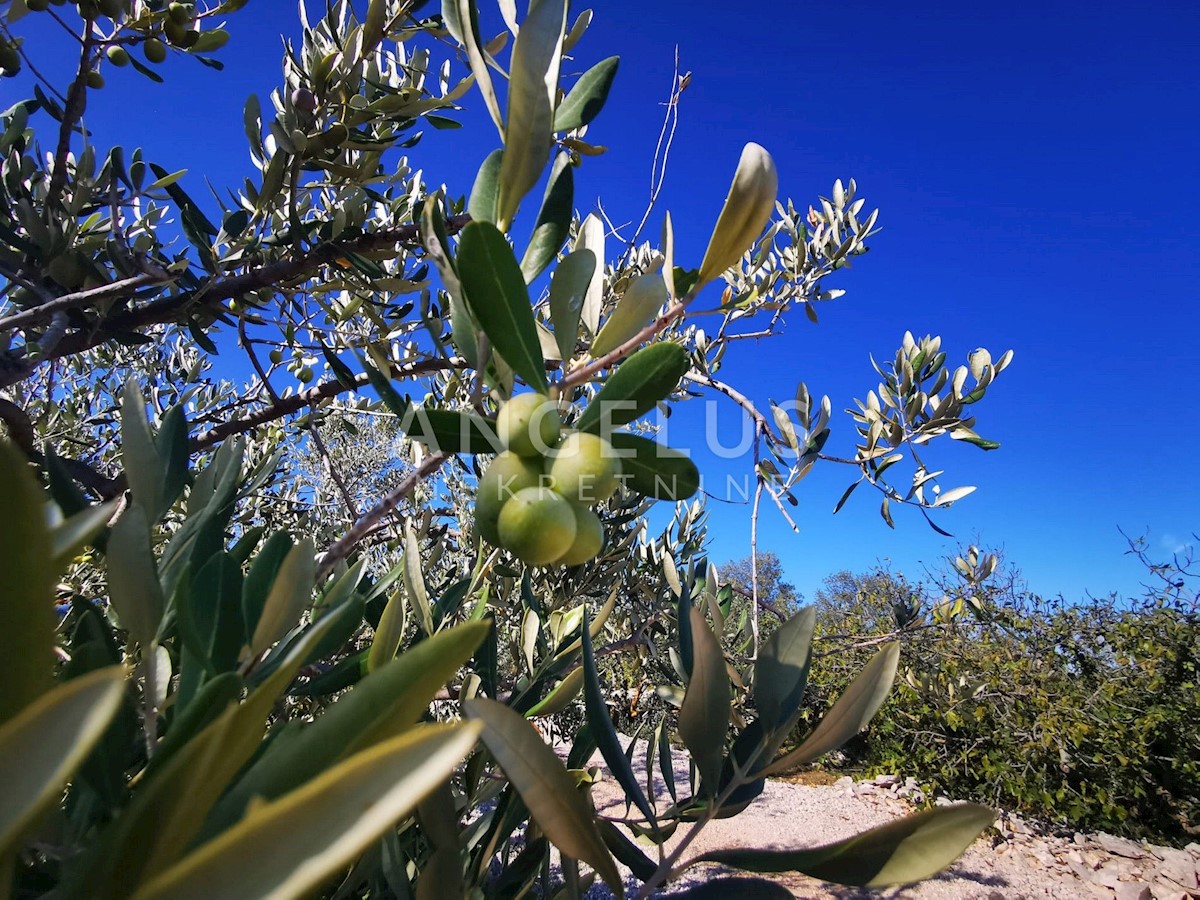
1080, 714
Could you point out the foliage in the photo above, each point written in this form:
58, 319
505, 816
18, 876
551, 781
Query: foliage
1079, 713
303, 672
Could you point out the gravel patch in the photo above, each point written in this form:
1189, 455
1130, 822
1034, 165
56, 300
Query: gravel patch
1015, 861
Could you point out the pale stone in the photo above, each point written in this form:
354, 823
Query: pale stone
1133, 890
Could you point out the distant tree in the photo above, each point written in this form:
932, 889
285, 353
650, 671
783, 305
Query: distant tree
773, 591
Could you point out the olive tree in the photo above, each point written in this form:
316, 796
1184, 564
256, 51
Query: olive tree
292, 654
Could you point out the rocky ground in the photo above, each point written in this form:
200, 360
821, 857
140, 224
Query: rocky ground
1015, 861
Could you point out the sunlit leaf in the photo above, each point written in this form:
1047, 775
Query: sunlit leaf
290, 596
849, 715
635, 309
42, 746
544, 785
747, 208
287, 847
704, 716
911, 849
638, 384
532, 85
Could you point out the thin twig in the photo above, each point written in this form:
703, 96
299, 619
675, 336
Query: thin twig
319, 442
72, 113
341, 548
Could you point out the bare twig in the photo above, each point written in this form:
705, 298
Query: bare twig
319, 442
42, 313
341, 548
73, 112
216, 290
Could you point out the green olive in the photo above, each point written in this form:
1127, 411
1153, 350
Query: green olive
68, 269
37, 5
276, 356
584, 468
95, 80
507, 474
180, 13
528, 424
589, 537
10, 59
118, 56
155, 50
537, 525
175, 32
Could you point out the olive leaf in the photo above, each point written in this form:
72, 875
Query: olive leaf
747, 208
635, 309
289, 846
563, 694
653, 469
383, 704
553, 221
544, 785
450, 431
849, 715
41, 747
911, 849
495, 291
781, 670
605, 732
650, 375
289, 597
27, 638
704, 716
133, 586
462, 21
532, 86
568, 289
591, 237
587, 98
485, 191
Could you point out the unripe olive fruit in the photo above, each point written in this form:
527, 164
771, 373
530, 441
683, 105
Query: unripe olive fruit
118, 56
176, 32
507, 474
276, 356
68, 270
37, 5
528, 424
112, 8
155, 50
537, 525
180, 13
589, 537
95, 80
584, 468
305, 375
10, 59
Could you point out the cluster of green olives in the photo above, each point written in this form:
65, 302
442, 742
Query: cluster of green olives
535, 498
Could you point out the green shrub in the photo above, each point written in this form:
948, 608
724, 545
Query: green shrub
1079, 714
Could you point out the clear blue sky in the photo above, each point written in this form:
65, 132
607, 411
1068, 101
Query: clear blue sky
1036, 170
